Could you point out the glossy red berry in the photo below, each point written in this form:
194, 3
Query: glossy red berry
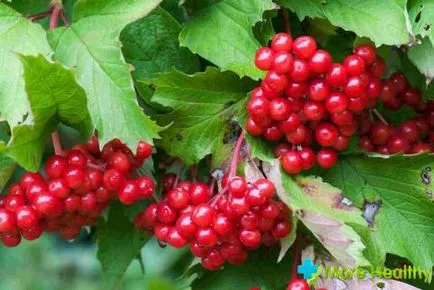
378, 67
399, 81
298, 284
366, 52
254, 128
26, 217
178, 198
355, 87
113, 179
7, 221
320, 62
308, 157
72, 203
354, 65
76, 158
280, 109
297, 136
296, 89
318, 90
48, 205
250, 238
175, 239
366, 144
304, 47
337, 75
379, 133
73, 176
258, 107
10, 239
276, 81
397, 144
326, 158
326, 134
282, 62
199, 193
237, 186
264, 58
314, 110
143, 150
128, 192
281, 42
410, 131
207, 237
299, 71
292, 162
291, 123
222, 225
266, 187
336, 102
55, 166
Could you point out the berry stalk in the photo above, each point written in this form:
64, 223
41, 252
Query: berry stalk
235, 156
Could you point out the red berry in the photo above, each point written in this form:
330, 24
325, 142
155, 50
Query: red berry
13, 202
94, 177
420, 148
281, 149
270, 211
264, 58
276, 81
55, 166
337, 75
203, 215
280, 109
199, 193
7, 221
358, 104
145, 186
239, 206
341, 143
58, 188
378, 67
88, 202
207, 237
292, 162
27, 217
253, 128
320, 62
30, 178
72, 203
318, 90
15, 189
198, 250
366, 52
103, 195
354, 65
76, 158
308, 157
314, 110
299, 71
168, 181
237, 186
290, 124
161, 232
48, 205
10, 239
336, 102
258, 107
281, 42
366, 144
250, 238
297, 136
355, 87
281, 229
175, 239
265, 186
399, 81
128, 192
222, 225
343, 118
143, 150
119, 161
250, 220
272, 133
298, 284
326, 134
326, 158
296, 89
304, 47
410, 131
73, 176
33, 233
379, 133
255, 197
178, 198
35, 189
397, 144
282, 62
374, 88
411, 97
113, 179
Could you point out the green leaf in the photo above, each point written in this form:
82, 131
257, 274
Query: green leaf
260, 270
91, 46
151, 45
405, 220
202, 106
423, 57
7, 168
54, 96
385, 22
222, 33
119, 243
17, 36
421, 14
29, 7
320, 207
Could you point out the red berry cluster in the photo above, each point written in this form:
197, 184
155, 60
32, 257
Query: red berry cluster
412, 136
221, 228
305, 97
78, 186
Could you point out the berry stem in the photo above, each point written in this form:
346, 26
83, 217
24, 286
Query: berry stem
56, 143
212, 185
193, 172
214, 200
297, 258
64, 18
286, 21
380, 117
55, 13
178, 176
38, 16
235, 156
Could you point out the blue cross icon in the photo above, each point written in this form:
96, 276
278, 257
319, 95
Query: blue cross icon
307, 269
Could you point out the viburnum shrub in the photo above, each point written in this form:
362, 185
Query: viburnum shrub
229, 144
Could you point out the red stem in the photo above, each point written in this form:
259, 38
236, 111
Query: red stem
212, 186
64, 18
235, 157
56, 143
54, 18
216, 197
297, 258
286, 21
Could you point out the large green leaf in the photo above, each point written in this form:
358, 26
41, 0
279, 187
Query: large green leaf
119, 243
421, 14
54, 96
385, 22
221, 31
260, 270
17, 36
202, 106
151, 45
405, 220
92, 47
423, 57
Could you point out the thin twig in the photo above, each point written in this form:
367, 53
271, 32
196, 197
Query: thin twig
380, 117
56, 143
235, 156
39, 16
286, 21
64, 18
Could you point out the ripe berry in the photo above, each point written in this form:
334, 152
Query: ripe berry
161, 232
281, 42
298, 284
239, 206
296, 89
265, 186
341, 143
366, 144
27, 217
304, 47
253, 128
411, 97
378, 67
281, 149
250, 220
199, 193
203, 215
175, 239
320, 62
374, 88
72, 203
326, 134
48, 205
326, 158
354, 65
222, 225
379, 133
291, 123
143, 150
10, 239
255, 197
76, 158
308, 157
7, 221
207, 237
280, 109
88, 202
358, 104
250, 238
198, 250
355, 87
366, 52
299, 71
292, 162
30, 178
318, 90
178, 198
336, 102
33, 233
58, 188
237, 186
13, 202
281, 229
258, 107
397, 144
113, 179
399, 81
314, 110
343, 118
55, 166
128, 192
73, 176
264, 58
410, 131
276, 81
282, 62
297, 136
337, 75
